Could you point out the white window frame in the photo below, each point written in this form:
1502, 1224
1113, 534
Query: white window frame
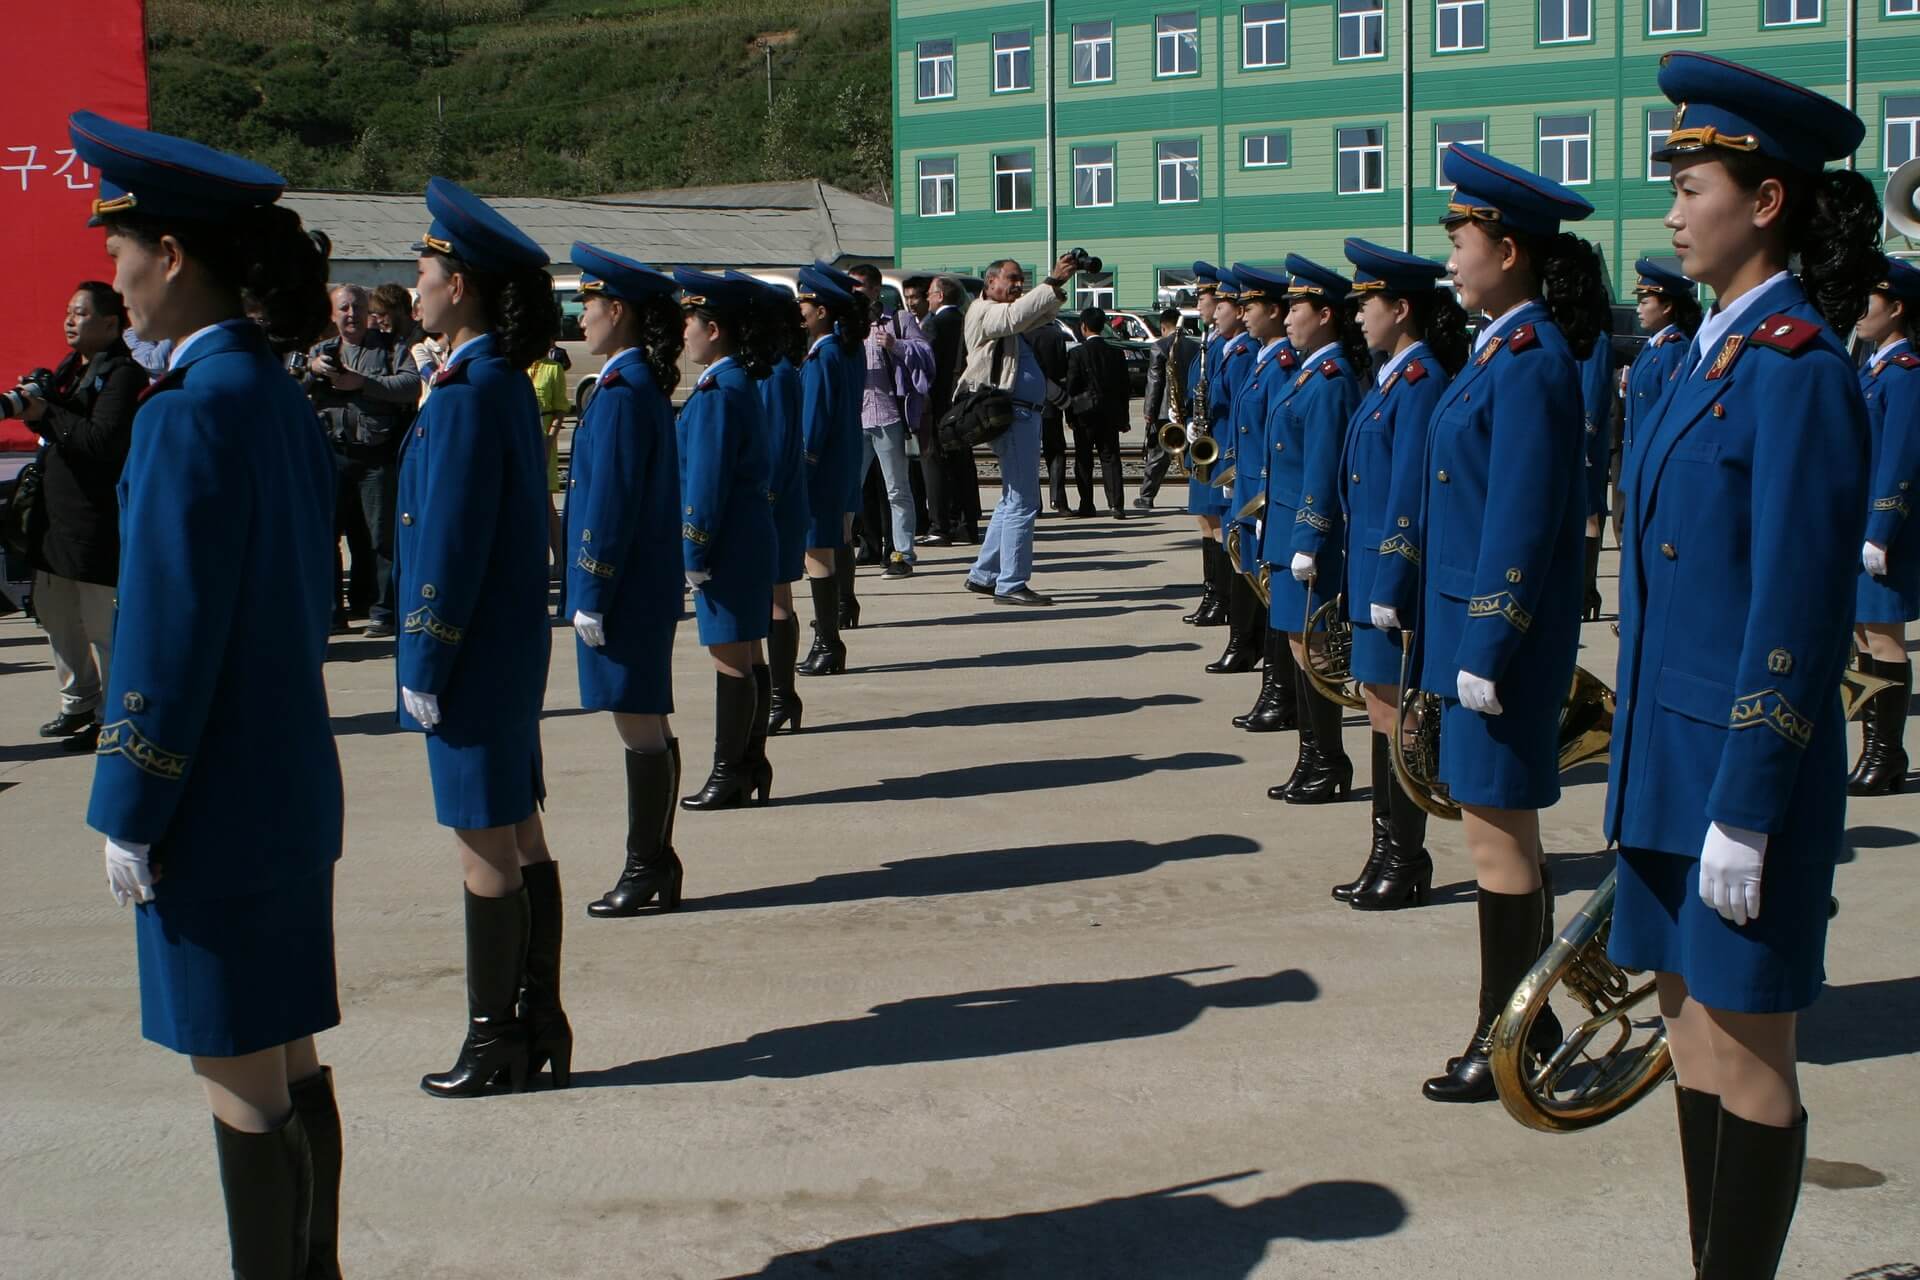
1099, 48
1094, 167
924, 60
1903, 8
1569, 10
948, 181
1794, 7
1440, 182
1094, 295
1008, 62
1377, 150
1458, 10
1165, 164
1361, 17
1565, 142
1010, 165
1658, 170
1673, 25
1266, 140
1267, 28
1170, 282
1169, 38
1909, 121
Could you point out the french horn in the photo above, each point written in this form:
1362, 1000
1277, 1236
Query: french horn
1261, 581
1329, 667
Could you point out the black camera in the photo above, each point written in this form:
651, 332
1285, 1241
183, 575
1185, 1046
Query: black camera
298, 363
1084, 261
13, 404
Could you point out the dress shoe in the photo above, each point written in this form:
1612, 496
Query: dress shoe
1118, 513
380, 630
933, 540
68, 724
88, 739
1022, 595
1143, 504
898, 567
980, 588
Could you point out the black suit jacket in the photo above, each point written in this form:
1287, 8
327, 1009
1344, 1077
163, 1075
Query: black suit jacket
74, 530
1097, 386
943, 329
1176, 350
1049, 346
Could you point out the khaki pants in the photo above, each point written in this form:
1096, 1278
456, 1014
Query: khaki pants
78, 617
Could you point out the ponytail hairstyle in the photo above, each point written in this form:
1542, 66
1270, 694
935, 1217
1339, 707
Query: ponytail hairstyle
1442, 323
274, 269
1833, 230
1573, 277
522, 313
738, 324
774, 331
1353, 339
1686, 312
662, 334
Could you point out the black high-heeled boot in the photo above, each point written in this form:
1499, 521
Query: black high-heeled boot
1269, 676
1509, 938
1382, 821
1886, 770
1222, 587
1756, 1186
1303, 761
843, 567
267, 1182
1328, 775
732, 778
549, 1034
1405, 878
758, 766
1284, 711
1241, 652
1866, 665
1591, 610
1699, 1115
313, 1102
496, 1043
783, 648
652, 868
829, 656
1207, 582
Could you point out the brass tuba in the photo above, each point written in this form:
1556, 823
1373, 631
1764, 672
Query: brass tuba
1329, 668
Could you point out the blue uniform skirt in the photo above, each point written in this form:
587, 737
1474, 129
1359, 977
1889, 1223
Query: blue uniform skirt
1894, 598
792, 527
1775, 963
221, 977
733, 607
1287, 596
1205, 499
1376, 655
633, 671
1508, 761
826, 516
494, 781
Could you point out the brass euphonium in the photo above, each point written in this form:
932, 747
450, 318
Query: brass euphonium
1329, 668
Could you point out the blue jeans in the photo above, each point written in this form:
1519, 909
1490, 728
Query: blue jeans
888, 444
1006, 552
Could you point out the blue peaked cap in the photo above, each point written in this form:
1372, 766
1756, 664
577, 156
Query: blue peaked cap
156, 173
1309, 278
1723, 104
816, 286
1226, 285
1259, 284
1491, 190
1378, 268
1205, 273
468, 228
703, 289
835, 274
1664, 280
1902, 283
614, 276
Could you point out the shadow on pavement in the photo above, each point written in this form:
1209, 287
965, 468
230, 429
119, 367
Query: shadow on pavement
1081, 562
968, 1024
1862, 1020
1015, 776
1012, 713
1572, 873
1036, 657
983, 871
1880, 837
990, 612
1169, 1232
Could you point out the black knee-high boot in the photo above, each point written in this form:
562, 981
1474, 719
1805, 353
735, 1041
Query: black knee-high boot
1756, 1186
1209, 582
496, 1043
651, 867
757, 762
843, 566
829, 656
1699, 1115
1382, 820
733, 777
1304, 724
319, 1113
1509, 944
1273, 710
549, 1034
1592, 608
1866, 665
783, 648
1222, 586
1405, 877
1242, 651
1328, 771
267, 1181
1885, 771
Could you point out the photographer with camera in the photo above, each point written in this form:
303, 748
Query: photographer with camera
83, 411
366, 387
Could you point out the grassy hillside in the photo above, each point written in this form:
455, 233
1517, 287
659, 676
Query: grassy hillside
530, 97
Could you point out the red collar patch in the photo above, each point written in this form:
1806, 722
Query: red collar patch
1786, 333
1287, 359
1413, 371
1329, 368
1523, 337
1906, 360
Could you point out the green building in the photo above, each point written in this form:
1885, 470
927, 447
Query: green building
1155, 132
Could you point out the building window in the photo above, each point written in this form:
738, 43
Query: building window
1093, 290
1903, 132
936, 187
1179, 164
1092, 177
1092, 52
1673, 17
1659, 125
1460, 25
1362, 161
1565, 20
1176, 44
1903, 8
1566, 149
1471, 133
1789, 13
1012, 61
1263, 35
1266, 150
1363, 29
936, 69
1013, 182
1175, 287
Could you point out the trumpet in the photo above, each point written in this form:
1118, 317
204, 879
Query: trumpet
1329, 667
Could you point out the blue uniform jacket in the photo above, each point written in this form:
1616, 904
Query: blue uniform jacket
781, 419
1505, 520
1384, 466
1742, 531
1652, 371
727, 522
1892, 392
1306, 428
1597, 391
831, 445
471, 557
216, 747
1228, 372
850, 390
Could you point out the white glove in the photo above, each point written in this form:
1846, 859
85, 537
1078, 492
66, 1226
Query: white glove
128, 875
424, 707
697, 577
1385, 617
1259, 529
590, 628
1874, 558
1730, 863
1302, 566
1478, 695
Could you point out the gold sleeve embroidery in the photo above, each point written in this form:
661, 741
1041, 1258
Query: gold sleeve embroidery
423, 621
1401, 545
598, 568
121, 738
1770, 707
1501, 604
698, 537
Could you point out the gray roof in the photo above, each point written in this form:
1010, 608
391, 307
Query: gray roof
765, 224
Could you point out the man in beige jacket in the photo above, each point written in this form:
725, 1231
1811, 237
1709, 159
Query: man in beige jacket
996, 355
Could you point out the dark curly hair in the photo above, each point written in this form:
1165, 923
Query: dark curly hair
522, 313
662, 334
1442, 324
1573, 278
737, 323
1353, 339
1686, 312
276, 271
774, 330
852, 323
1833, 231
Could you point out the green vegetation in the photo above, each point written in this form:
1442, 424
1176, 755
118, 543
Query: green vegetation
531, 97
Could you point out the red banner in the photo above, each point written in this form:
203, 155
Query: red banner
56, 59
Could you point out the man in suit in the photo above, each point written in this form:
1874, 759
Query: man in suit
1166, 373
1097, 395
952, 481
1049, 344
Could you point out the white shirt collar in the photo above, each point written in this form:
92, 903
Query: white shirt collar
1243, 337
713, 370
819, 342
1394, 365
1664, 331
1507, 320
185, 344
453, 356
1722, 319
617, 357
1266, 352
1326, 352
1885, 351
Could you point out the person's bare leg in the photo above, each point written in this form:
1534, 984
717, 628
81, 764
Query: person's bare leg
641, 732
1505, 847
490, 860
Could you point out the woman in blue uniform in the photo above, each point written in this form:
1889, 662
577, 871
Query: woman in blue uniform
1231, 366
831, 375
623, 569
472, 653
1206, 502
1888, 596
727, 534
1420, 332
1599, 392
1505, 513
1302, 538
1670, 313
1726, 792
226, 536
